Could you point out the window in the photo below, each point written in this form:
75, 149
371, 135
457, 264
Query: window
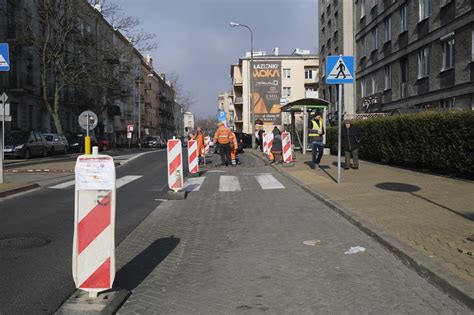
423, 63
286, 73
374, 39
308, 74
448, 54
403, 77
447, 103
362, 88
363, 47
388, 29
336, 21
362, 8
403, 19
286, 91
374, 84
445, 2
387, 77
424, 9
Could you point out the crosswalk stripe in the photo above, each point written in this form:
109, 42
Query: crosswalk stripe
193, 184
64, 185
267, 181
229, 183
125, 180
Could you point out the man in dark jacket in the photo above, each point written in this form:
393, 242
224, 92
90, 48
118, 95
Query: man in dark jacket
260, 138
350, 144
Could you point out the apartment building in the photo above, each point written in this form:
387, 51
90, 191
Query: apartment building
276, 81
189, 122
414, 55
336, 37
225, 103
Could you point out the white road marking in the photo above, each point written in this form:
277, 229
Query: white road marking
125, 180
217, 171
267, 181
64, 185
193, 184
229, 183
164, 187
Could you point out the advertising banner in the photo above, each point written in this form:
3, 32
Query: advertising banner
266, 91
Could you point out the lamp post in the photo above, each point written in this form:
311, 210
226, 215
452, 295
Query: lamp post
251, 112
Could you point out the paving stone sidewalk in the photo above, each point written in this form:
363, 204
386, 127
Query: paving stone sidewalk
243, 252
431, 214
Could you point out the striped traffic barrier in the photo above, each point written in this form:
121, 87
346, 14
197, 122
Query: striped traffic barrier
175, 165
269, 143
193, 157
265, 142
93, 257
287, 149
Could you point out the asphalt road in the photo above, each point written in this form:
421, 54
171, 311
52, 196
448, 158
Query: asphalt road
37, 280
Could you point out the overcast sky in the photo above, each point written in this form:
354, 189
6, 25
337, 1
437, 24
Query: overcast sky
196, 42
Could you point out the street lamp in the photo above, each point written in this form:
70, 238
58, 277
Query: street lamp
251, 112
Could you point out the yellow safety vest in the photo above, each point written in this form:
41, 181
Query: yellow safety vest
317, 129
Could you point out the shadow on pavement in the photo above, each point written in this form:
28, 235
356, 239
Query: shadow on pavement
135, 271
411, 189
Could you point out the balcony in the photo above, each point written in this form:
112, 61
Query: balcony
238, 100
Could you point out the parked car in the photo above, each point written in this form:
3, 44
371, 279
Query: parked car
56, 143
76, 142
103, 143
25, 144
154, 142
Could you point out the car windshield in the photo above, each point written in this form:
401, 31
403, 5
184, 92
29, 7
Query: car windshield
17, 138
49, 137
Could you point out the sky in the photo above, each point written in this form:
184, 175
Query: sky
194, 39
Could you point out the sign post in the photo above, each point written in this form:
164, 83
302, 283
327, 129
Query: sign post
88, 120
4, 67
340, 70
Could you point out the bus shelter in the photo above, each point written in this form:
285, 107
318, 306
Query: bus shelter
305, 106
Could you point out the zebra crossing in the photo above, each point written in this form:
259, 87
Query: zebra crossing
122, 181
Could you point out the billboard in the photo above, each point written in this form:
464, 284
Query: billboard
266, 91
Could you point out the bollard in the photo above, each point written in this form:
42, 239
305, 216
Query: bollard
93, 255
175, 165
193, 158
287, 149
87, 145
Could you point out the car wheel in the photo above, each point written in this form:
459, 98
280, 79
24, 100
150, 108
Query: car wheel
27, 154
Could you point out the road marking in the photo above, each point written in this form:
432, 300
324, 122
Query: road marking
164, 187
193, 184
64, 185
125, 180
267, 181
229, 183
216, 171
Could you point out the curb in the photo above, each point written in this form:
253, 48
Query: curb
18, 190
429, 270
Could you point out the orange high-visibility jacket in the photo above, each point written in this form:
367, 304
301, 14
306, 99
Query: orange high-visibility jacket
222, 135
200, 142
234, 139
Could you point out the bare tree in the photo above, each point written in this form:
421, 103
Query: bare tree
208, 124
182, 96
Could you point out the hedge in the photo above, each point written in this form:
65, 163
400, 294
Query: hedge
442, 142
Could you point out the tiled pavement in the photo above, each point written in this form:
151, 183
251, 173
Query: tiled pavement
242, 251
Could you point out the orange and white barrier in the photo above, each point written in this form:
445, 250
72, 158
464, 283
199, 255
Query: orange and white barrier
93, 254
267, 142
193, 157
175, 165
287, 150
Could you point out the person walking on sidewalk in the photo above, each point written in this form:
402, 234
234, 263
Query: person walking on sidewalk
199, 137
223, 138
315, 137
277, 145
350, 144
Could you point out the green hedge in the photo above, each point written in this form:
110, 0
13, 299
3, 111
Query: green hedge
437, 141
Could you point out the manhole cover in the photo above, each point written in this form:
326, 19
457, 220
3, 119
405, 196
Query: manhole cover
20, 242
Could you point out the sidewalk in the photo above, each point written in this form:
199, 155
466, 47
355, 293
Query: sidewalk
424, 219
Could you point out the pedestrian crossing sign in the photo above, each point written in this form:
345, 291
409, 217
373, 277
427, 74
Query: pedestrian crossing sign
340, 70
4, 57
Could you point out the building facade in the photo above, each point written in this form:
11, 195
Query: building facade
414, 55
336, 37
189, 122
276, 80
225, 103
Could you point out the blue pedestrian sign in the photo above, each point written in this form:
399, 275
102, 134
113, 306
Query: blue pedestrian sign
340, 70
4, 57
221, 116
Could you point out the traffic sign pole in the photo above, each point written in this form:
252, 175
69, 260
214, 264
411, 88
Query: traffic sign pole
339, 111
3, 100
87, 139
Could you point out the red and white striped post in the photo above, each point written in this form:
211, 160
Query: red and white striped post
93, 254
287, 148
265, 142
193, 158
175, 165
269, 143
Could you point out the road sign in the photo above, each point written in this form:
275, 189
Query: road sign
340, 70
85, 116
5, 109
4, 98
93, 260
130, 128
4, 57
221, 116
129, 135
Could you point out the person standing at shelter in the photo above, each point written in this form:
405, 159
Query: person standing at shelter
260, 138
223, 138
315, 137
350, 144
199, 137
277, 146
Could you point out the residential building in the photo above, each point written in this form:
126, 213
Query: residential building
336, 37
189, 122
414, 55
276, 80
226, 104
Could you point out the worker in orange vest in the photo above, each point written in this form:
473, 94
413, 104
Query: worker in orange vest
199, 137
223, 138
233, 149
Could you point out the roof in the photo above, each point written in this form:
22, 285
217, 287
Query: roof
310, 103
